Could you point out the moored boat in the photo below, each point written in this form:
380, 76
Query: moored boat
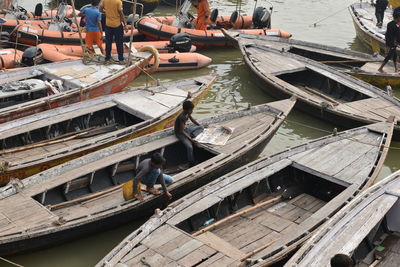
322, 91
357, 64
167, 61
38, 88
263, 210
364, 20
366, 231
40, 141
148, 6
79, 197
9, 58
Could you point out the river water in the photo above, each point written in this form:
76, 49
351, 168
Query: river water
233, 89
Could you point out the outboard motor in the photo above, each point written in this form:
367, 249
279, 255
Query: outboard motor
32, 56
180, 42
38, 10
261, 18
132, 19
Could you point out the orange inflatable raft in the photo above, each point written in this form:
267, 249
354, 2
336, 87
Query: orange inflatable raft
23, 14
9, 58
160, 28
168, 61
30, 34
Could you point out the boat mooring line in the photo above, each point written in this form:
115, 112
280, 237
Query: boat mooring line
10, 262
315, 23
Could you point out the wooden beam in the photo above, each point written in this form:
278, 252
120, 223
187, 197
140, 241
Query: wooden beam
233, 216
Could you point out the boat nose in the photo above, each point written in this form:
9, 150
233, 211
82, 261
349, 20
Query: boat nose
203, 60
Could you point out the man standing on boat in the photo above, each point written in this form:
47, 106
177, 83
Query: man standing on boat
392, 38
380, 7
203, 14
115, 25
94, 30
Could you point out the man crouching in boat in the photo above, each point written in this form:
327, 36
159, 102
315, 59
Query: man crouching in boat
392, 37
149, 173
94, 30
203, 14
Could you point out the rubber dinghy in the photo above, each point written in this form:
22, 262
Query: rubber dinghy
167, 61
84, 196
262, 211
366, 230
40, 141
322, 91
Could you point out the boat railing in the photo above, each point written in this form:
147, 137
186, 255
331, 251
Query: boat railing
137, 4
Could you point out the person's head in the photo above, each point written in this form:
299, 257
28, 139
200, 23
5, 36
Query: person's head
188, 106
157, 160
95, 2
342, 260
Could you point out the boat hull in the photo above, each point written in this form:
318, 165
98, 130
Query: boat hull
148, 6
22, 173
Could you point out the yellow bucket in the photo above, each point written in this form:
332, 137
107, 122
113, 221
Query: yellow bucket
394, 3
127, 190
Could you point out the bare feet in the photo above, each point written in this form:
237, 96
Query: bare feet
153, 191
138, 197
380, 70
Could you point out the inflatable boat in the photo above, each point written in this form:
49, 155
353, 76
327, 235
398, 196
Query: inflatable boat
9, 58
163, 28
167, 61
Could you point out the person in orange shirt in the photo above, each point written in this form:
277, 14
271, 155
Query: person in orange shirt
203, 14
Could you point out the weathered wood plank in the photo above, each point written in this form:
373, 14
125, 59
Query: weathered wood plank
220, 245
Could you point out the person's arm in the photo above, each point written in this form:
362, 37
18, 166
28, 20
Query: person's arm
100, 24
193, 120
121, 15
101, 7
183, 132
82, 13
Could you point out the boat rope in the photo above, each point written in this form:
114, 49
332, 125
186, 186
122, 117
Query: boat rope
327, 17
10, 262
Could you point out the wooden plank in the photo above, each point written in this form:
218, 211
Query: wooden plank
161, 236
271, 236
220, 245
195, 257
184, 249
274, 222
211, 260
134, 252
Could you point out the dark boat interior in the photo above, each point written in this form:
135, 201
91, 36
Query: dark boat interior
115, 174
290, 183
317, 83
88, 125
308, 53
34, 87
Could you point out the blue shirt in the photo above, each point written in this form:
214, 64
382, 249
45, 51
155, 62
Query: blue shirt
92, 16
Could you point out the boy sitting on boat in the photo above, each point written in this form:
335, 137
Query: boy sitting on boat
149, 172
94, 30
392, 38
187, 135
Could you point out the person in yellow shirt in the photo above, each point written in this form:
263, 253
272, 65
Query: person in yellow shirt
115, 25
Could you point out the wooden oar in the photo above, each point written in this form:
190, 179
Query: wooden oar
233, 216
248, 255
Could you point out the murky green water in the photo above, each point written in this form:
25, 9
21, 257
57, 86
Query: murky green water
234, 89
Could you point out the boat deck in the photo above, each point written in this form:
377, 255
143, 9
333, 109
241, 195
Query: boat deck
227, 244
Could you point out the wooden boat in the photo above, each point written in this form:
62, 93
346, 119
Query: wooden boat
82, 197
263, 210
9, 58
161, 28
367, 230
40, 141
322, 91
34, 89
167, 61
364, 20
357, 64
